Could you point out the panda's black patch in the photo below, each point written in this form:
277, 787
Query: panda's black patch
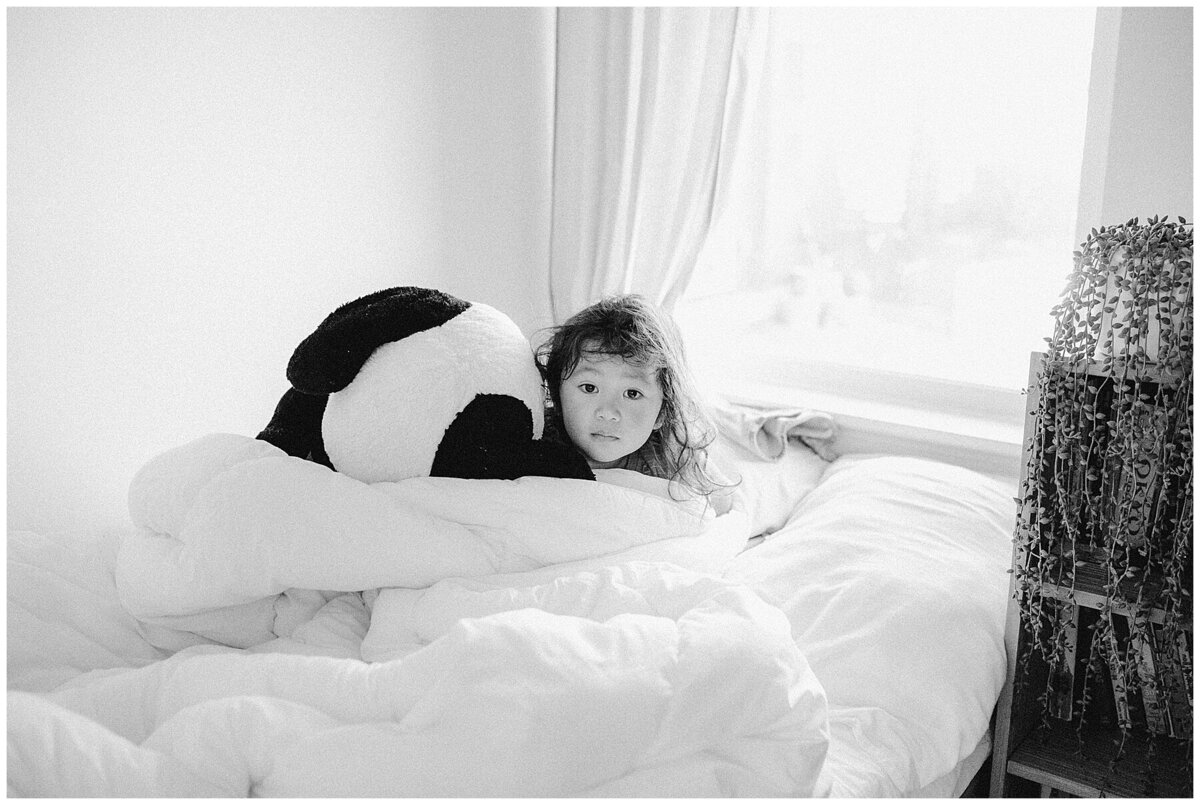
330, 358
493, 438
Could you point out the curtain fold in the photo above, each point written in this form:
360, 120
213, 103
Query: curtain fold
650, 105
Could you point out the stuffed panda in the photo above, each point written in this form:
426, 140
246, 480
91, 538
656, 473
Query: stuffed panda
409, 382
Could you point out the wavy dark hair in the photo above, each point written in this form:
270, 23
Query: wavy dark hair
629, 327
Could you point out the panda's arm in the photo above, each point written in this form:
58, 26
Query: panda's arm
295, 428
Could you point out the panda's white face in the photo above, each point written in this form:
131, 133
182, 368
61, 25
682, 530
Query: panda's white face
387, 424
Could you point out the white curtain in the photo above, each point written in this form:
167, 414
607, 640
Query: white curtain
650, 111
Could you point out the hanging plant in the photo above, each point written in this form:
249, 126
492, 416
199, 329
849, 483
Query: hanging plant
1107, 496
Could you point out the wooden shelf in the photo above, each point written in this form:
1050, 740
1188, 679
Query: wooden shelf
1055, 758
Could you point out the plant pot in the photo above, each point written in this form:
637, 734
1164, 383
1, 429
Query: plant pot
1138, 307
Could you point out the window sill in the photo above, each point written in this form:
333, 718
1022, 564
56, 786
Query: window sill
989, 444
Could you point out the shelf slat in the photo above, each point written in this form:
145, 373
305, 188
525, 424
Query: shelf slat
1088, 589
1132, 370
1093, 599
1055, 758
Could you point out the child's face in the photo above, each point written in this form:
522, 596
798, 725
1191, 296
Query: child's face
610, 407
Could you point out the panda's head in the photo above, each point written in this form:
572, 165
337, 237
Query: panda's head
409, 382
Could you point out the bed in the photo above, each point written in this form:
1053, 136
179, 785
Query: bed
840, 632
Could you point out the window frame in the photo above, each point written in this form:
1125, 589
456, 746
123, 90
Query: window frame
975, 426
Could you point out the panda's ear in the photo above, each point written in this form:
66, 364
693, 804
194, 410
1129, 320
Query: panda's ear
329, 359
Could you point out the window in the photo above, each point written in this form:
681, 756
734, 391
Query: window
907, 218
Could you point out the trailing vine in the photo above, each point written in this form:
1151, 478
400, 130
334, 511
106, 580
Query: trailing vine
1108, 482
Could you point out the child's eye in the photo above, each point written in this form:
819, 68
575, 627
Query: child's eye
587, 388
634, 394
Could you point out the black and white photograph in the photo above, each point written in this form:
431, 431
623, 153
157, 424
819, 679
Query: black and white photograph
539, 402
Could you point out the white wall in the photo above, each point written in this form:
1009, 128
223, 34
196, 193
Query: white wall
192, 190
1139, 142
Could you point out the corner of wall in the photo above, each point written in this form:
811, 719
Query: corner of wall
1138, 146
1099, 121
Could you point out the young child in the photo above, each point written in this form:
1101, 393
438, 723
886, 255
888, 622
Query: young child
620, 391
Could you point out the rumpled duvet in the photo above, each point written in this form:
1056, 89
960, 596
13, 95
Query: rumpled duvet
433, 637
701, 692
269, 629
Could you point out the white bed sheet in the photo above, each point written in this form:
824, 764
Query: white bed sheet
954, 783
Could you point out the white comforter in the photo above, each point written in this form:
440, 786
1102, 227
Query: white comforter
233, 532
704, 693
470, 645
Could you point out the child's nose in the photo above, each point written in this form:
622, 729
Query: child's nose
608, 411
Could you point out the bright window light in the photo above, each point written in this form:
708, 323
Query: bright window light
910, 207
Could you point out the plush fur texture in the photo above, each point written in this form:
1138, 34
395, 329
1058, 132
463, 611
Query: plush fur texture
330, 358
408, 382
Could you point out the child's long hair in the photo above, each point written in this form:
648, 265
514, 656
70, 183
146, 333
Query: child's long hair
629, 327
